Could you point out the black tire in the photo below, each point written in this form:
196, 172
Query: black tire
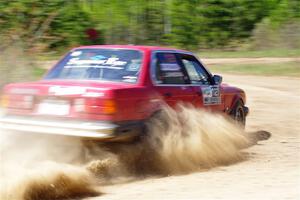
238, 114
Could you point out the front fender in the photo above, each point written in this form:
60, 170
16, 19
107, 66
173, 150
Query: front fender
233, 95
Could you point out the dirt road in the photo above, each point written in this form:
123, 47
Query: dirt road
272, 170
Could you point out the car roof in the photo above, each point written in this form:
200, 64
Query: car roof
136, 47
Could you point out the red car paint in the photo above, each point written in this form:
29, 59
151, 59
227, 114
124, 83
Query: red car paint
129, 101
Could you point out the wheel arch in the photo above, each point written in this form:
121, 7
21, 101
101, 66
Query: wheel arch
236, 99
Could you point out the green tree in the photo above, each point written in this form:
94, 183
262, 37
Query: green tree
184, 17
190, 24
223, 21
281, 29
42, 23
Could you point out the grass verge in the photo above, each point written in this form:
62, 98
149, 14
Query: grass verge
271, 69
250, 54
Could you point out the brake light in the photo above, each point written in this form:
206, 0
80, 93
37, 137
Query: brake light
4, 101
95, 106
16, 101
109, 107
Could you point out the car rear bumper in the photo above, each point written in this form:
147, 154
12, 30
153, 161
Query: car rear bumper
89, 130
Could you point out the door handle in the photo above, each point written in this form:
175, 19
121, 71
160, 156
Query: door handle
168, 94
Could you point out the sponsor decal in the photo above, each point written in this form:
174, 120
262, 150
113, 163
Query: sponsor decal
93, 94
134, 66
58, 90
109, 61
211, 95
130, 79
98, 57
76, 53
169, 67
173, 74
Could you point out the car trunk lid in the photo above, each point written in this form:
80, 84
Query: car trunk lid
68, 99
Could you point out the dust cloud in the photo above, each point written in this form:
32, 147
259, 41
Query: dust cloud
177, 142
36, 167
182, 141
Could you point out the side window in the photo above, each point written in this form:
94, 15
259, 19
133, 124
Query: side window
196, 72
168, 70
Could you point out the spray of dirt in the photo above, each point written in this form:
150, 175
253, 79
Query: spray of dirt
176, 142
51, 181
179, 141
193, 139
35, 168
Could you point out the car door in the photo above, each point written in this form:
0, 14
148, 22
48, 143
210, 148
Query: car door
207, 94
170, 78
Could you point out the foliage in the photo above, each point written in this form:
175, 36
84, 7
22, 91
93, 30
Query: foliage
281, 29
39, 25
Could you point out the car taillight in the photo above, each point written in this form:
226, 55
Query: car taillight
95, 106
4, 101
109, 107
17, 101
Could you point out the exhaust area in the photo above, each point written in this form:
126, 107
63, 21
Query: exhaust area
177, 142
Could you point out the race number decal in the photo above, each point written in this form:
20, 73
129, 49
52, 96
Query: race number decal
211, 95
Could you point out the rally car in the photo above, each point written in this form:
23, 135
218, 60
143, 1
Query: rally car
108, 92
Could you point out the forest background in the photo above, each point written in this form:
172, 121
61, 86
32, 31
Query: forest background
35, 30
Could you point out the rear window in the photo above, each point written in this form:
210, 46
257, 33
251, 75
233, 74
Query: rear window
118, 65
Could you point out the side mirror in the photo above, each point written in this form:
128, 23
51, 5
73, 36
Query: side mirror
217, 79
